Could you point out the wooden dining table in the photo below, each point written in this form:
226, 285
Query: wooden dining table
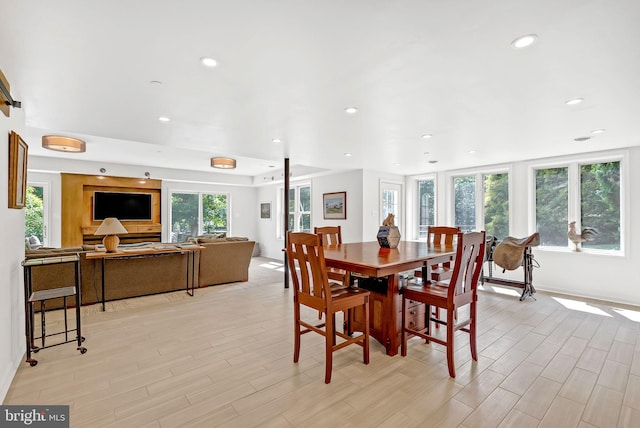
378, 269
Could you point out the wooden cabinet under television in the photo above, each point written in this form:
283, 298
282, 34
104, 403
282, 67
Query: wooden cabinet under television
78, 222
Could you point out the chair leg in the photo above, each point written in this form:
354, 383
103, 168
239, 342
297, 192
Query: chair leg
365, 346
450, 347
472, 331
329, 343
403, 333
296, 334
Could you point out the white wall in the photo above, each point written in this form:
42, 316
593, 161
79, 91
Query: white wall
12, 328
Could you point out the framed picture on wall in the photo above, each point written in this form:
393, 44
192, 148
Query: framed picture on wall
334, 205
17, 171
265, 210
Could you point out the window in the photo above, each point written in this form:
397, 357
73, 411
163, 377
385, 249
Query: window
426, 206
35, 227
481, 202
496, 204
194, 214
464, 196
300, 208
586, 191
552, 204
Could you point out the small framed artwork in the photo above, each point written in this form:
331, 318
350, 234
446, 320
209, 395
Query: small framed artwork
17, 171
265, 210
334, 205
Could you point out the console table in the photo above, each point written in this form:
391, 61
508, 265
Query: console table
188, 250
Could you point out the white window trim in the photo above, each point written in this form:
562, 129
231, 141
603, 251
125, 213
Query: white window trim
573, 164
479, 174
415, 190
283, 213
200, 220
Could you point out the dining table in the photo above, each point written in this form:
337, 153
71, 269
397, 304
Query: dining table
379, 270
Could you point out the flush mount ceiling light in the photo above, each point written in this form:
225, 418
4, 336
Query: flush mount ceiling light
59, 143
351, 110
574, 101
524, 41
223, 163
208, 62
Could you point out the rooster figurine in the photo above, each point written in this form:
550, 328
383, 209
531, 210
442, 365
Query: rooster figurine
588, 234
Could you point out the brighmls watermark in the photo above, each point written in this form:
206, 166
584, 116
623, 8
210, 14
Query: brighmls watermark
34, 416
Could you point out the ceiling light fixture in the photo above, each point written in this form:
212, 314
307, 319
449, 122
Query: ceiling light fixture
524, 41
574, 101
347, 154
223, 163
427, 136
59, 143
208, 62
276, 140
164, 119
598, 131
351, 110
581, 139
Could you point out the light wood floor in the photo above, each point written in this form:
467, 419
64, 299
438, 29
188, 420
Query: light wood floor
224, 358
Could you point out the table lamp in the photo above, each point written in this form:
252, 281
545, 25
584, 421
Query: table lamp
111, 228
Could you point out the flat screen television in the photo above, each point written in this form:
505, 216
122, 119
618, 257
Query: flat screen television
123, 206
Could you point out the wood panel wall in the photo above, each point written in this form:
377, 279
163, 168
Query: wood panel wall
78, 226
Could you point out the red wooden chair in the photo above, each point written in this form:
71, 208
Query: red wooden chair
308, 271
460, 291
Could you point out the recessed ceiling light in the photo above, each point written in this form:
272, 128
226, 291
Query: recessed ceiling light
276, 140
471, 152
347, 154
574, 101
433, 161
524, 41
425, 153
427, 136
155, 82
208, 62
598, 131
580, 139
272, 166
351, 110
164, 119
397, 164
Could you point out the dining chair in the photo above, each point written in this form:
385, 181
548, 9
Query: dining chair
305, 254
460, 291
440, 235
331, 236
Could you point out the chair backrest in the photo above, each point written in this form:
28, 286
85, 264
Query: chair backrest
331, 235
470, 255
309, 277
442, 235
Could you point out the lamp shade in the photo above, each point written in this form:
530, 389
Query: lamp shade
111, 226
224, 163
63, 144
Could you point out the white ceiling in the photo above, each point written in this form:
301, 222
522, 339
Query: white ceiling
288, 69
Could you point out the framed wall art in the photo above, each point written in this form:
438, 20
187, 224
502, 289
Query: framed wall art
17, 171
265, 210
334, 205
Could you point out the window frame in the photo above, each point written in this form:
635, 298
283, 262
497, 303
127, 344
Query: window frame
418, 180
200, 207
479, 193
573, 165
283, 213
